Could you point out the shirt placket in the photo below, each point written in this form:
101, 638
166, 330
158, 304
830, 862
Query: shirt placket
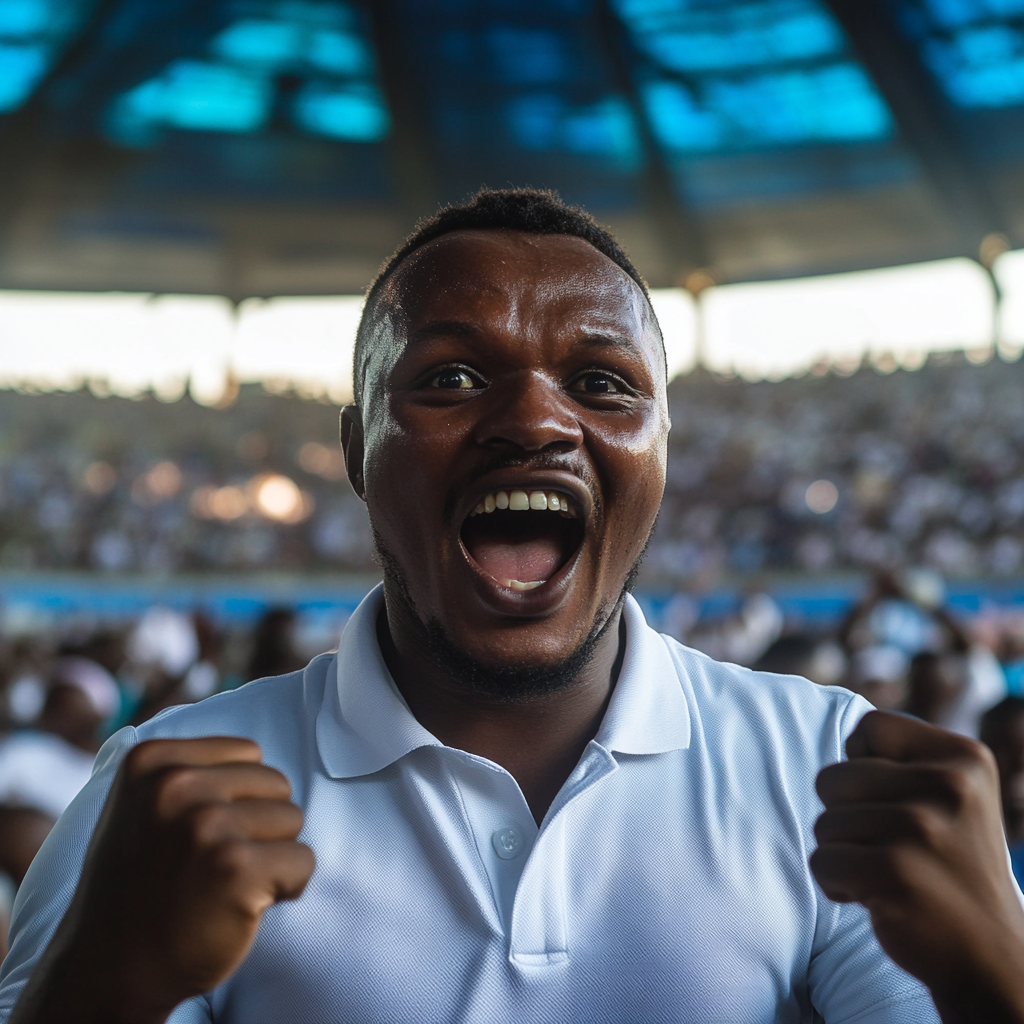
526, 866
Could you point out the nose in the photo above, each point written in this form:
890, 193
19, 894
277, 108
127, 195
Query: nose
531, 413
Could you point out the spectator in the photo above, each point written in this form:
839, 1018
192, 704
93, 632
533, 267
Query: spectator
274, 650
952, 678
936, 685
802, 654
1002, 730
879, 674
44, 768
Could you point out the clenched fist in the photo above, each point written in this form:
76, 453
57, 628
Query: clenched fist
196, 840
912, 830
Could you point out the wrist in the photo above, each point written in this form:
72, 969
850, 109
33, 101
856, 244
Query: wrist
980, 1004
85, 983
993, 993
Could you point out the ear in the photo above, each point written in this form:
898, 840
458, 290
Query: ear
352, 446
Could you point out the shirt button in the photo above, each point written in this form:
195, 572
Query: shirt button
507, 843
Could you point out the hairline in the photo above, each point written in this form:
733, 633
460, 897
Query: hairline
368, 317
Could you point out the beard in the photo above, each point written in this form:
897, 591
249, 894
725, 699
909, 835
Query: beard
514, 682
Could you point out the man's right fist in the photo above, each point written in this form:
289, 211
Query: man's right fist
196, 840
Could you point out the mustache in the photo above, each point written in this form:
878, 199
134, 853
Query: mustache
569, 462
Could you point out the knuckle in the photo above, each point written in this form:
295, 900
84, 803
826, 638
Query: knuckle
922, 824
292, 817
233, 858
139, 760
209, 822
279, 780
173, 789
955, 784
832, 780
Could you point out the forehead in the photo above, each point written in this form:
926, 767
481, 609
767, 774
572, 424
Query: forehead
481, 273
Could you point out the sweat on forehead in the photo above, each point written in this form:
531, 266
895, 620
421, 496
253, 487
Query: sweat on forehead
532, 212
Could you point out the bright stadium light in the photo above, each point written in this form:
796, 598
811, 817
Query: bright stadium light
299, 343
896, 316
1009, 272
677, 315
121, 344
129, 344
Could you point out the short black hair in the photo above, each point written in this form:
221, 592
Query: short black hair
533, 211
1006, 710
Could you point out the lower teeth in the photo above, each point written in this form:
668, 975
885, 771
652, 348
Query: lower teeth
519, 585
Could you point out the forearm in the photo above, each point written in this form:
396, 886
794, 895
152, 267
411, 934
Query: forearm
80, 981
983, 1004
991, 992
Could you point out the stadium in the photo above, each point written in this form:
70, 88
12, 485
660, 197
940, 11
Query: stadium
823, 198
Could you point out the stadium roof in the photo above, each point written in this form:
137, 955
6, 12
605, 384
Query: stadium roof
261, 147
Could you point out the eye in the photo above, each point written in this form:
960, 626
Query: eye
453, 379
597, 383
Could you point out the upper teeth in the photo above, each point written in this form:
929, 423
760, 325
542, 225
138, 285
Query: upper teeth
521, 501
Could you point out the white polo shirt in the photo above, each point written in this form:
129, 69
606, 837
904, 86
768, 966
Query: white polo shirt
668, 882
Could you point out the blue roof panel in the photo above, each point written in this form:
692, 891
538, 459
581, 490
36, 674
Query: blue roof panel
975, 48
523, 92
33, 33
311, 61
760, 73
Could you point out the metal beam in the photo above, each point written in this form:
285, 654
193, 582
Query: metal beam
924, 118
124, 42
678, 231
413, 162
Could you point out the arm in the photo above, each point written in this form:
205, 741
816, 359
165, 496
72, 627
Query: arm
196, 840
912, 830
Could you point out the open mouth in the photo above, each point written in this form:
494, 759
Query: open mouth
522, 538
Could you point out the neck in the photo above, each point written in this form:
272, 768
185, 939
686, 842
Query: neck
538, 740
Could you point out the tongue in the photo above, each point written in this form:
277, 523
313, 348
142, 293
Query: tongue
525, 560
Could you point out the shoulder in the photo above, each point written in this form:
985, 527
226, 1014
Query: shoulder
778, 712
278, 713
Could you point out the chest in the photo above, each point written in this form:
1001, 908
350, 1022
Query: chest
636, 902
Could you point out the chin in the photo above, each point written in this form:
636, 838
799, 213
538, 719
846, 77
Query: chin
515, 678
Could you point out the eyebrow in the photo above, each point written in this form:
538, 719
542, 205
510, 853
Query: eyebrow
464, 329
614, 341
445, 328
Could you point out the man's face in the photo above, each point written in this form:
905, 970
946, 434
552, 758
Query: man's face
513, 370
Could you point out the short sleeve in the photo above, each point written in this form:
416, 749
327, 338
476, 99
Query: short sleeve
50, 883
851, 980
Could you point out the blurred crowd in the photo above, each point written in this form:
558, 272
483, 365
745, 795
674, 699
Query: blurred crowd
65, 689
117, 485
66, 686
901, 647
826, 473
817, 474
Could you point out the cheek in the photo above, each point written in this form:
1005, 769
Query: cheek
631, 465
407, 464
633, 461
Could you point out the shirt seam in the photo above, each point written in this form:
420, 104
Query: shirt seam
823, 902
899, 999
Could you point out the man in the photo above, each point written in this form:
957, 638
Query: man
524, 804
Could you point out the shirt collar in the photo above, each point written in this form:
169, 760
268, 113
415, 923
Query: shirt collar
364, 723
648, 712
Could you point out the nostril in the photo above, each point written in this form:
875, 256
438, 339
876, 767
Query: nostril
534, 416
